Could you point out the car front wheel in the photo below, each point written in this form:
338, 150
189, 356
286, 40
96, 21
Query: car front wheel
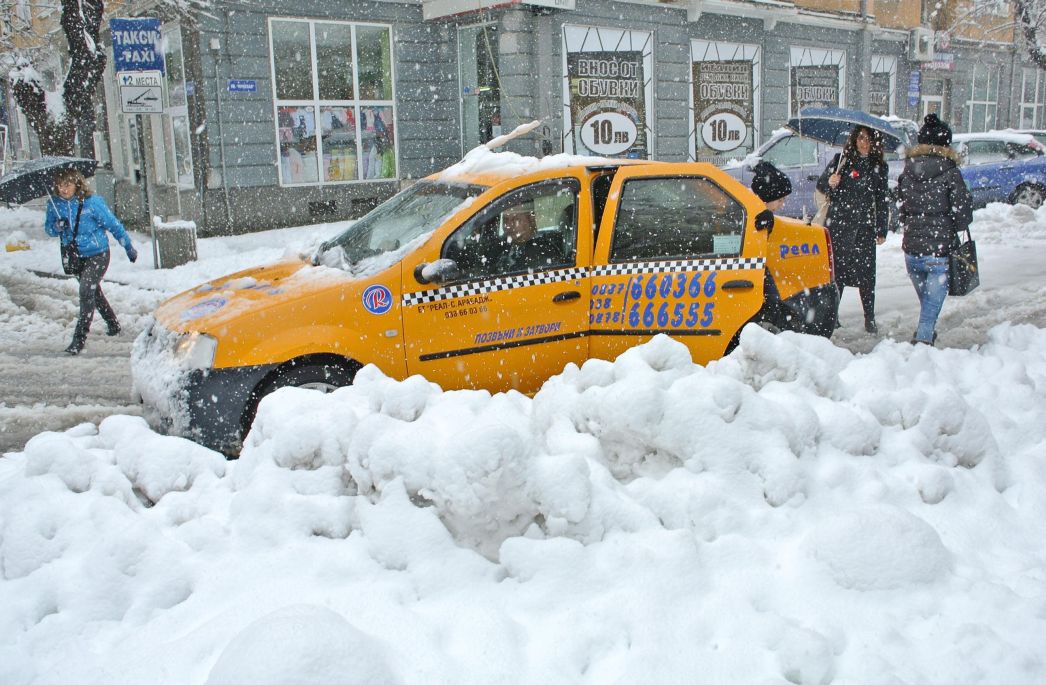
322, 376
1030, 195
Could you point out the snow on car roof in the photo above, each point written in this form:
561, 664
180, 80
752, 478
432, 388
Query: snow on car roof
485, 167
1007, 136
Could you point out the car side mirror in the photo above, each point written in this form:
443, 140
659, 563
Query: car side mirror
439, 271
764, 221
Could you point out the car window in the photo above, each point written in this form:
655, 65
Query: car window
986, 151
663, 218
792, 151
531, 229
1022, 152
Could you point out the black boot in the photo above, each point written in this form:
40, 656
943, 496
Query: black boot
74, 348
869, 325
112, 328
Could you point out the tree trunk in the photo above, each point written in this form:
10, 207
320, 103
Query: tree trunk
81, 22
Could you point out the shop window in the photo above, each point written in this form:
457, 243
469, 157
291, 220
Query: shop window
982, 106
335, 110
178, 146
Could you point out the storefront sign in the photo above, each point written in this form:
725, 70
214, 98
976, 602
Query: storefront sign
436, 9
723, 103
942, 61
239, 85
913, 88
607, 94
136, 45
814, 86
879, 94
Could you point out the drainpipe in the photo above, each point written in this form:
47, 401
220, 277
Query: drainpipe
215, 46
866, 57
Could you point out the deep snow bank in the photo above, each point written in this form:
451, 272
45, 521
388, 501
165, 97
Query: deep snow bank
790, 513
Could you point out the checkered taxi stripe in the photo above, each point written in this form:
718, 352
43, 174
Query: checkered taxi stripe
493, 285
725, 264
559, 276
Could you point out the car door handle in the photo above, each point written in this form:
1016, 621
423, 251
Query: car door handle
567, 296
740, 284
814, 177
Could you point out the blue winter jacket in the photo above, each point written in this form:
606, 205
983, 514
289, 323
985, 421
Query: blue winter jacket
95, 220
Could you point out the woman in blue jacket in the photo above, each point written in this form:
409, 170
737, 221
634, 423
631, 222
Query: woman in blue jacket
78, 212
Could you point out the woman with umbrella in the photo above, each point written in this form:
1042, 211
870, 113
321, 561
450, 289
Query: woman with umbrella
81, 218
856, 185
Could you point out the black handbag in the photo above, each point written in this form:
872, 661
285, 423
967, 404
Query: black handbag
71, 262
963, 273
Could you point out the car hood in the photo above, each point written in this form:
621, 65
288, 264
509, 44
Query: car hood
212, 304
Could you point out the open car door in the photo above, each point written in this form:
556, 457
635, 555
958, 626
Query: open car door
678, 253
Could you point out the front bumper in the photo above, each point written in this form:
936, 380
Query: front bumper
205, 406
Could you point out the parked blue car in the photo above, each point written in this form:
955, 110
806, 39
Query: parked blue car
803, 160
1003, 166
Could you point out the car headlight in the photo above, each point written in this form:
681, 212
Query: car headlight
196, 350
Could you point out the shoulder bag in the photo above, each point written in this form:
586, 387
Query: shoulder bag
821, 200
71, 262
963, 273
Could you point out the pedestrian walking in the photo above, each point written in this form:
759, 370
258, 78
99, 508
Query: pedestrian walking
858, 214
771, 185
935, 207
79, 218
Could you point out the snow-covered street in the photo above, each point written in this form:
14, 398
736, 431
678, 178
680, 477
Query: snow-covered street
806, 511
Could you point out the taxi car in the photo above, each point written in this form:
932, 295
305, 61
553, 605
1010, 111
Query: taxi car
489, 275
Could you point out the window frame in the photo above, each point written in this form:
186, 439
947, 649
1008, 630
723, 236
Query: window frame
511, 198
987, 77
613, 258
318, 104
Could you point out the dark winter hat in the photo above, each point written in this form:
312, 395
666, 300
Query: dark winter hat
934, 131
769, 182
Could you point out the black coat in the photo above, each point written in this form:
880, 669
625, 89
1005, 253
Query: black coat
935, 204
859, 213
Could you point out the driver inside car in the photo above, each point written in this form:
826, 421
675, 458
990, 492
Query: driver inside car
525, 248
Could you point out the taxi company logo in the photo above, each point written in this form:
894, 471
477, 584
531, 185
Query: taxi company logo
377, 299
202, 309
800, 250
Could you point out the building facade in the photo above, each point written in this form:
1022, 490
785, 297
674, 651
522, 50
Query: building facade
278, 114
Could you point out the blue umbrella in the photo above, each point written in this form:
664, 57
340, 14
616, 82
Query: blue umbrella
832, 125
36, 178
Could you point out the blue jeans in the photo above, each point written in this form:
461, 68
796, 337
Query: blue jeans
930, 277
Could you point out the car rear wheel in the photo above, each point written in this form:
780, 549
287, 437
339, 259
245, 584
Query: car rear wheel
1030, 195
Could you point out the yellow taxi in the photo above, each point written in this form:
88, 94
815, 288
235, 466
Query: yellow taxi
494, 274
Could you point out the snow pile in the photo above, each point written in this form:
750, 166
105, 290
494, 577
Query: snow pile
1007, 224
789, 513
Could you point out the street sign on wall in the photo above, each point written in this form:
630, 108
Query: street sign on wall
141, 92
137, 45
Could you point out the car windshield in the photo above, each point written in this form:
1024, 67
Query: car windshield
396, 223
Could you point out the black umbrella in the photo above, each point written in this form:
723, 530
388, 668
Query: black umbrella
36, 178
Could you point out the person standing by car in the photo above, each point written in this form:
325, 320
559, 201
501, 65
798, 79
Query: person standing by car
771, 185
77, 214
935, 206
858, 214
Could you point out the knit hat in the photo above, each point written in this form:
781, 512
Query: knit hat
934, 131
769, 182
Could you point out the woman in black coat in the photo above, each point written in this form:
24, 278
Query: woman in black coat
935, 206
858, 214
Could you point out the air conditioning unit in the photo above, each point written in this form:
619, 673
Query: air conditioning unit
920, 45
